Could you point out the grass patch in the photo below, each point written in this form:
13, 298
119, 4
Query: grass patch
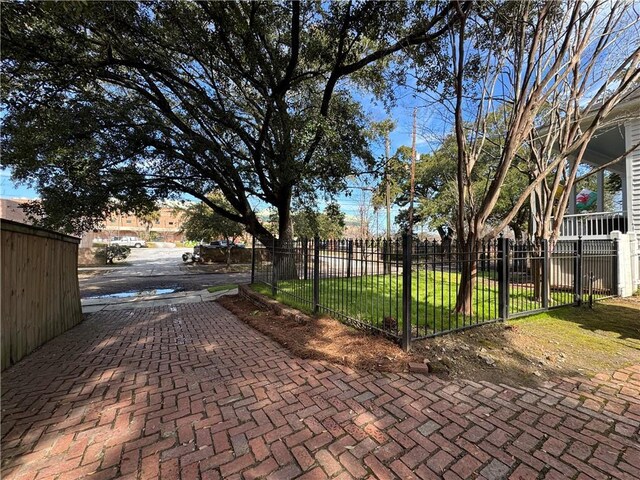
609, 329
372, 298
563, 342
221, 288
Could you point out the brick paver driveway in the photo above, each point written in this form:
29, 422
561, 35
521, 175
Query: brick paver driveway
189, 391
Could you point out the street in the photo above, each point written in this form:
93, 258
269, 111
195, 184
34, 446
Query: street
148, 269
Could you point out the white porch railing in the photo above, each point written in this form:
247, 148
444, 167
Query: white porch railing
593, 225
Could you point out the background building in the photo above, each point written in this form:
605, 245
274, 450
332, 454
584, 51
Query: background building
10, 210
163, 226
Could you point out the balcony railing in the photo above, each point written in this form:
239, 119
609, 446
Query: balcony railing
593, 225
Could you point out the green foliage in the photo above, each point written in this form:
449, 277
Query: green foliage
201, 223
308, 223
155, 237
148, 219
187, 244
111, 104
435, 186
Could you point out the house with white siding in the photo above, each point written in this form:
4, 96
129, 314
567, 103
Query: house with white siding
620, 134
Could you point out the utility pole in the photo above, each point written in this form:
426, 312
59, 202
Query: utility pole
387, 154
362, 215
413, 170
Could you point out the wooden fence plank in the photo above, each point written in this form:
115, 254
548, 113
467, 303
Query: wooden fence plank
39, 288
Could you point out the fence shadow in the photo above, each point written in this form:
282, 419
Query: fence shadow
610, 317
423, 289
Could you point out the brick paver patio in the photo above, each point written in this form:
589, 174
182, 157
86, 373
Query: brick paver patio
190, 392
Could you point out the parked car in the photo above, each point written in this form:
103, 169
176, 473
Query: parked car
200, 251
217, 244
223, 244
128, 242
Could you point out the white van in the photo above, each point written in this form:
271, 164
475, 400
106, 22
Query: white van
128, 242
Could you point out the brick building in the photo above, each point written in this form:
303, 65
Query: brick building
163, 228
10, 210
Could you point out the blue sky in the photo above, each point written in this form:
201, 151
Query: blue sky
401, 115
8, 189
429, 128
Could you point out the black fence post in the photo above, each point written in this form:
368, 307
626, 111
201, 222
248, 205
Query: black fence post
503, 278
305, 258
577, 271
253, 260
349, 257
545, 273
316, 274
406, 292
273, 268
616, 260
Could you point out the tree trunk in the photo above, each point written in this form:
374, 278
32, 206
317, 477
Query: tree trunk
468, 256
279, 249
537, 265
284, 261
517, 230
541, 232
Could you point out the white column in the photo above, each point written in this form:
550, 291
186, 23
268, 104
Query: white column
625, 259
623, 179
600, 192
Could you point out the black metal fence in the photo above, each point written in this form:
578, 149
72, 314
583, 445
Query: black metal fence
409, 290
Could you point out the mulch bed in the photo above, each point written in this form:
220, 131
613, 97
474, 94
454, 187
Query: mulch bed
322, 338
496, 353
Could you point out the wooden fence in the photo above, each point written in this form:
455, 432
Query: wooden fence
40, 293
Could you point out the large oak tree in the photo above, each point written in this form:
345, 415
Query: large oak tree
111, 104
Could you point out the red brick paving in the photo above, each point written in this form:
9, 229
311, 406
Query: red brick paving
191, 392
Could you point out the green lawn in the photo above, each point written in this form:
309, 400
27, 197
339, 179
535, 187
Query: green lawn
370, 299
604, 338
562, 342
602, 330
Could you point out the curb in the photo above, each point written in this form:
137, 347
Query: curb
156, 301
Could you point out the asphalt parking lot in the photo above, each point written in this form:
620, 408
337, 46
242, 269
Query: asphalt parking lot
148, 269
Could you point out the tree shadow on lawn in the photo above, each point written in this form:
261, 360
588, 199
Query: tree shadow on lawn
564, 342
372, 299
616, 316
